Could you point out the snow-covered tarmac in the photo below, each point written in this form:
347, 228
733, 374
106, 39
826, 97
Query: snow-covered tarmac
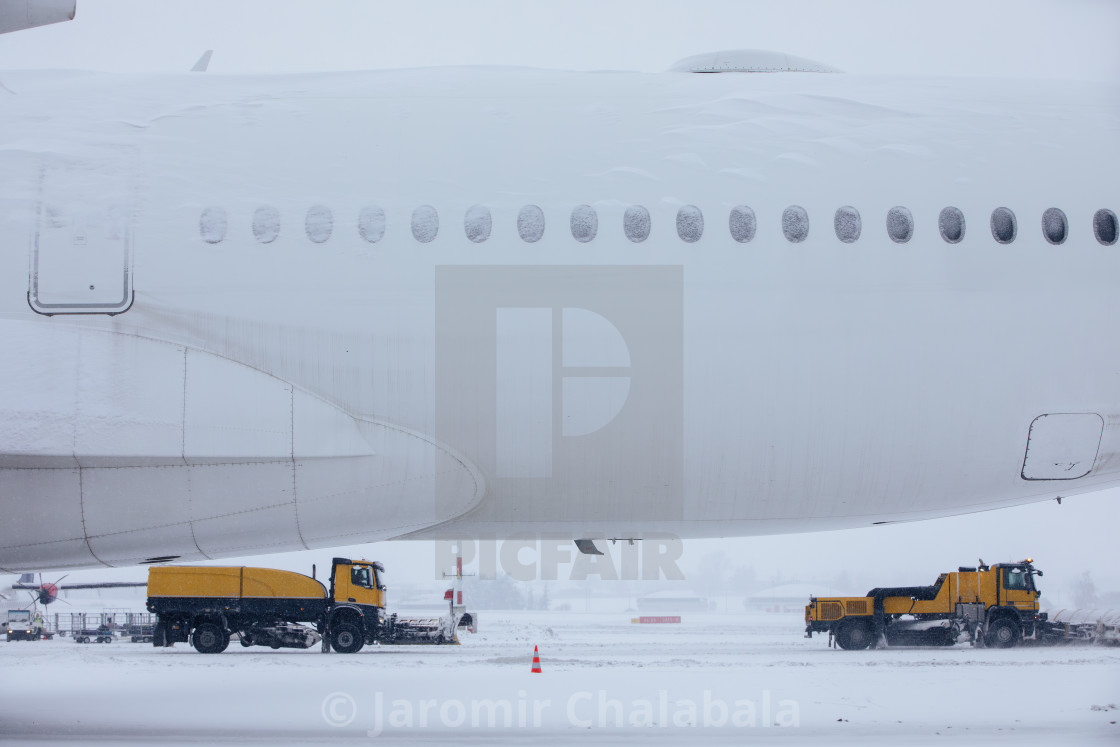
727, 678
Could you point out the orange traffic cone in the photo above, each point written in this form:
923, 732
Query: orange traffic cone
536, 661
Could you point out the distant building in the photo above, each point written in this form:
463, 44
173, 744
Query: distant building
785, 598
673, 602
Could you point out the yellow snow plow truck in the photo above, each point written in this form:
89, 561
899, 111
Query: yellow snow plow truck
210, 605
994, 605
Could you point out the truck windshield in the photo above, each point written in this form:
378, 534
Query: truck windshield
1016, 579
19, 616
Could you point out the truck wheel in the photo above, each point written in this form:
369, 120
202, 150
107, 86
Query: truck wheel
208, 638
346, 639
853, 635
1003, 633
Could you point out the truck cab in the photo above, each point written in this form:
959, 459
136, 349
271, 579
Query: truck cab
358, 582
358, 603
1016, 585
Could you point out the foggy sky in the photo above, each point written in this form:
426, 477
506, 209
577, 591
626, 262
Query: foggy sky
1024, 38
1070, 39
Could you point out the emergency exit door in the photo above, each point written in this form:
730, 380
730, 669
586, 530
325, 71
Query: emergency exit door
81, 244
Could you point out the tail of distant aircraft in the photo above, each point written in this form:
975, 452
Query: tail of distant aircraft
17, 15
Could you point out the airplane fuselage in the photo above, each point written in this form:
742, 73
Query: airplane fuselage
247, 314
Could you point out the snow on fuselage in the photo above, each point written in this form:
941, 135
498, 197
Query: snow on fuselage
243, 314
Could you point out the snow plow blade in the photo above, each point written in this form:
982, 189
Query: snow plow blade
1081, 626
427, 630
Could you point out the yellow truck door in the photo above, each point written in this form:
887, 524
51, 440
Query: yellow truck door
359, 584
1017, 587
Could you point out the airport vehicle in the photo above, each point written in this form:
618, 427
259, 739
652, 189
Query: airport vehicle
21, 626
281, 609
317, 310
139, 632
996, 605
100, 634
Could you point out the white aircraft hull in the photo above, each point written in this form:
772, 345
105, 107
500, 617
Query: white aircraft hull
179, 382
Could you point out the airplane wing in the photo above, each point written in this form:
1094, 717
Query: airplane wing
17, 15
68, 587
105, 585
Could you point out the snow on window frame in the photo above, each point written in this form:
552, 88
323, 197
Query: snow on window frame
530, 223
425, 224
900, 224
318, 224
795, 224
584, 223
636, 223
742, 223
266, 224
1004, 225
690, 224
951, 221
477, 224
1055, 227
848, 224
213, 225
371, 223
1105, 227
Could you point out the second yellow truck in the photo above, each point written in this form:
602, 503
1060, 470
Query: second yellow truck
995, 605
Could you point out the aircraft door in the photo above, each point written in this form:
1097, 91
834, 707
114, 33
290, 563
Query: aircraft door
81, 243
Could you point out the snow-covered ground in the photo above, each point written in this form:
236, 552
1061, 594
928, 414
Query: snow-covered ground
729, 678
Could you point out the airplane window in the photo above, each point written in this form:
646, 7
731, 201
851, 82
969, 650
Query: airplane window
425, 223
477, 224
213, 225
585, 223
848, 224
1054, 225
742, 223
951, 225
900, 224
795, 223
530, 224
690, 224
1004, 227
636, 223
266, 224
319, 223
1104, 227
371, 223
